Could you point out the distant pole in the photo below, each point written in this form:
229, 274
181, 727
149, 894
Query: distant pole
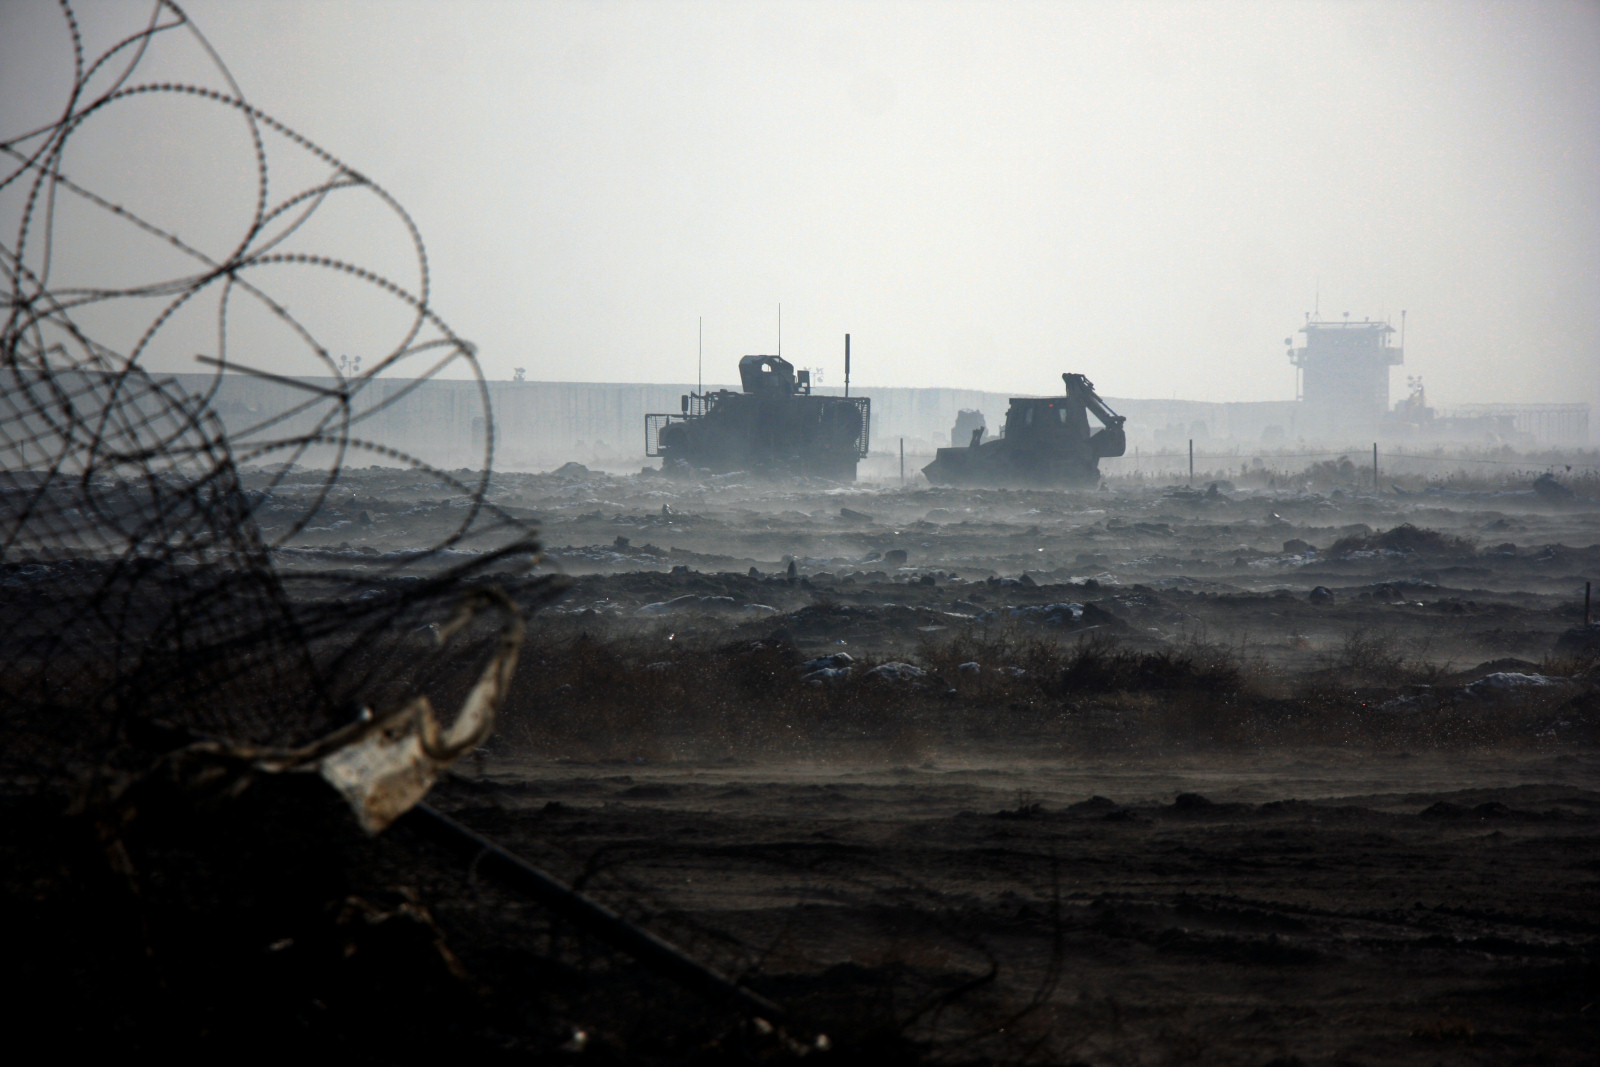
700, 360
1374, 466
902, 461
1586, 615
846, 364
780, 329
1191, 461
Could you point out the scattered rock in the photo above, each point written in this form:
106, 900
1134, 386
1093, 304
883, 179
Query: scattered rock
1321, 595
895, 672
1506, 682
688, 602
1506, 664
1060, 614
833, 662
1095, 615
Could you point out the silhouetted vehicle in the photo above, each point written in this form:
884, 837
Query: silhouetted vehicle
1046, 442
776, 426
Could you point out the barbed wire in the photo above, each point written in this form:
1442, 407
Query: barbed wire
140, 585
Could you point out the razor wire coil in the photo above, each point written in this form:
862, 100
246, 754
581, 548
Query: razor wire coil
140, 584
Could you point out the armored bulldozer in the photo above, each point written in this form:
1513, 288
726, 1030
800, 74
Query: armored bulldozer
776, 427
1046, 442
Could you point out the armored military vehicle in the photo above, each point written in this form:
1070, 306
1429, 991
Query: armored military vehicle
1046, 442
775, 427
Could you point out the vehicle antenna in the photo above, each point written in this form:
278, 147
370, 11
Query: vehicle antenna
700, 360
780, 329
846, 364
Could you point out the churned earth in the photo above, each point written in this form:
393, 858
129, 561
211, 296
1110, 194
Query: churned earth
1142, 774
1295, 773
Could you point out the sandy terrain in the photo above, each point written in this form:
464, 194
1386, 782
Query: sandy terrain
1316, 907
1149, 774
1352, 827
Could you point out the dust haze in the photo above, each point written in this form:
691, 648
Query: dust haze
1151, 193
410, 648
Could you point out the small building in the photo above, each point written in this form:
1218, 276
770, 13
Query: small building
1343, 377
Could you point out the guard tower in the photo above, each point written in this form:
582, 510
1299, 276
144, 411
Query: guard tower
1344, 372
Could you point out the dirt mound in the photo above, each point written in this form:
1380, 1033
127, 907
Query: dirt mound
1404, 538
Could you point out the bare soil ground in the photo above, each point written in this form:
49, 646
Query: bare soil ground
1138, 775
1315, 906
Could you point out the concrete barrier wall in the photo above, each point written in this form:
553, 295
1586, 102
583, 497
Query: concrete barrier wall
539, 425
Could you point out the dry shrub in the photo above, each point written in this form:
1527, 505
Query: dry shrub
1101, 665
1010, 657
1084, 663
1378, 659
644, 697
1372, 657
1331, 473
640, 696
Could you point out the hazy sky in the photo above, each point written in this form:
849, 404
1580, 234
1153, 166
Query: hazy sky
981, 194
